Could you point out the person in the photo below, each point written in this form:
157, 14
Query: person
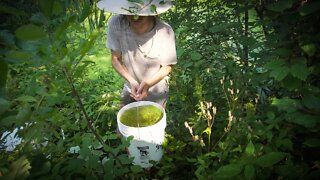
142, 47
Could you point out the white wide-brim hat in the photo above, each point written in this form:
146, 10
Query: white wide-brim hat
135, 7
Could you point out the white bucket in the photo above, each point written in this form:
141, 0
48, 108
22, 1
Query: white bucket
147, 141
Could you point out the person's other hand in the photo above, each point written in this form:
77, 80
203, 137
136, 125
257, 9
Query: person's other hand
142, 91
134, 88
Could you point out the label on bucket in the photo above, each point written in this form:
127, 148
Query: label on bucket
143, 152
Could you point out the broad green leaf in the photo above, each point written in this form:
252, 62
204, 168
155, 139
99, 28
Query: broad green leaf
26, 99
125, 159
309, 49
275, 64
311, 102
30, 32
195, 55
279, 73
280, 6
309, 7
93, 161
249, 149
85, 11
229, 170
249, 171
286, 104
18, 56
136, 169
180, 52
313, 142
278, 69
270, 159
46, 7
299, 69
303, 119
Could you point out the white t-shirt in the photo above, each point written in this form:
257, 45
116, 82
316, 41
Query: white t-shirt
143, 55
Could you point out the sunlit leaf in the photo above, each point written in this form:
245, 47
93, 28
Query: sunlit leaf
249, 149
30, 32
229, 170
309, 49
270, 159
207, 130
286, 104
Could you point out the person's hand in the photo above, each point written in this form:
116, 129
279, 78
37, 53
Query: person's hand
142, 91
134, 88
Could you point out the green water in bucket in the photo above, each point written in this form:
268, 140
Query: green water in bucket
141, 116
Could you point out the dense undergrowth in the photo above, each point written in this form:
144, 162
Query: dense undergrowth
244, 96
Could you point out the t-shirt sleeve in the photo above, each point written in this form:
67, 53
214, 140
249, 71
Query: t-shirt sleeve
169, 55
113, 34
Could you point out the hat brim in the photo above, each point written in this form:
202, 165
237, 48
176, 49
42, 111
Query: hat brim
126, 7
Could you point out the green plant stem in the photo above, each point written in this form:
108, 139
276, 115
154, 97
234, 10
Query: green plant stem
81, 106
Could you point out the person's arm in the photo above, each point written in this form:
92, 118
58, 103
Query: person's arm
122, 70
143, 89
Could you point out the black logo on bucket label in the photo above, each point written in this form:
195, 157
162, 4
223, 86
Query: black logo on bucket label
158, 147
144, 154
